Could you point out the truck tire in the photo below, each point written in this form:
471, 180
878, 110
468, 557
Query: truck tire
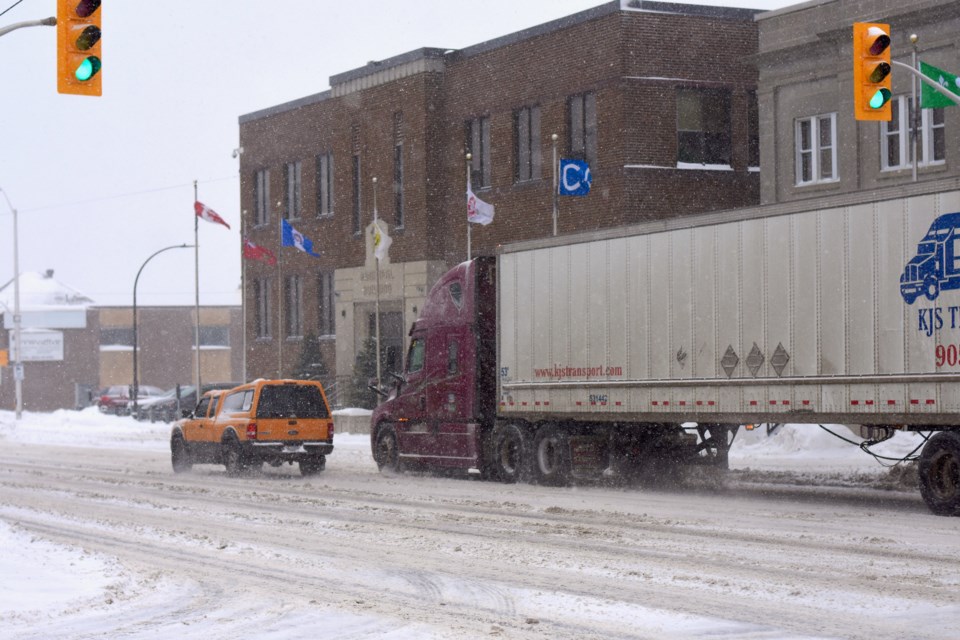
551, 456
386, 452
312, 466
233, 457
939, 471
179, 456
510, 454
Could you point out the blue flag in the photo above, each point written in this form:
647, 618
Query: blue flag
290, 237
575, 178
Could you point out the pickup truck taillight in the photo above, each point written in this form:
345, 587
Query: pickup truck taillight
252, 431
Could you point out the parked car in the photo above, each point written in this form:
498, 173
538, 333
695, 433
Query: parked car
273, 421
170, 408
115, 399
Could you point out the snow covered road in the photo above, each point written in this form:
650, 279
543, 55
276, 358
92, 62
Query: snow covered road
110, 543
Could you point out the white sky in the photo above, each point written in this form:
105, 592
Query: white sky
102, 183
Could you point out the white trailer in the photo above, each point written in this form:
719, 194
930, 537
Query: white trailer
607, 342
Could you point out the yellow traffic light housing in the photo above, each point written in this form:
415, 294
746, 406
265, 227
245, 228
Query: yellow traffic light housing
871, 71
78, 47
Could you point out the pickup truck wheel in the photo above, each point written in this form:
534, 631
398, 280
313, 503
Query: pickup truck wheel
552, 464
387, 453
939, 471
510, 455
179, 456
312, 466
233, 460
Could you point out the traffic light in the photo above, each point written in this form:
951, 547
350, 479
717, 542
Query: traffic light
871, 71
78, 47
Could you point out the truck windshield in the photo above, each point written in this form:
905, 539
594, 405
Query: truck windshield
925, 248
285, 401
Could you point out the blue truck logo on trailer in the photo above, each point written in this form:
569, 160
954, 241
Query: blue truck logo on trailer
936, 267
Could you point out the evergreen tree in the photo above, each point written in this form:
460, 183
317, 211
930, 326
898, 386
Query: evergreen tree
311, 365
364, 371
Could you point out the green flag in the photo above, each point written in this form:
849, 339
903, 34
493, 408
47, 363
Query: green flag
930, 98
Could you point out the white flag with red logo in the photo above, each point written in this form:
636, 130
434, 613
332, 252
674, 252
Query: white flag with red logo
477, 210
208, 214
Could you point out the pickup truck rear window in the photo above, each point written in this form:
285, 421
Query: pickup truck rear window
288, 401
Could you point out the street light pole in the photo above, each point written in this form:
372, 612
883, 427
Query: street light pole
135, 392
18, 361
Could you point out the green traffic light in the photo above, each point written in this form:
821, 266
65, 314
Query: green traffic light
87, 69
880, 98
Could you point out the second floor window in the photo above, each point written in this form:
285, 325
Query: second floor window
357, 214
478, 145
325, 184
261, 315
526, 126
816, 149
294, 306
896, 150
261, 197
703, 126
292, 173
398, 186
582, 113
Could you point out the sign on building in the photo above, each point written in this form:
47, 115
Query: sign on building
39, 345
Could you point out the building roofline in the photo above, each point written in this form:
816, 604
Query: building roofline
442, 56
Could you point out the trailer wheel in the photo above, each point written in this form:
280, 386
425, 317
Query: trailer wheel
939, 471
551, 459
509, 454
387, 453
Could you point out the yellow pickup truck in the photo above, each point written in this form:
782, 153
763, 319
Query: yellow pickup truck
272, 421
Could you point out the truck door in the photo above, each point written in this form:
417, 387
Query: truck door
414, 435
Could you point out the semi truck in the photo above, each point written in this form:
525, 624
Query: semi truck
642, 349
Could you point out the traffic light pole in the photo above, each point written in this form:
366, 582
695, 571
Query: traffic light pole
46, 22
930, 81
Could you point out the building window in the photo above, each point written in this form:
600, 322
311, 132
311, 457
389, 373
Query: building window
116, 337
325, 184
703, 126
526, 126
478, 145
398, 186
293, 303
326, 298
896, 151
816, 149
292, 176
582, 111
356, 195
262, 315
261, 197
753, 130
212, 336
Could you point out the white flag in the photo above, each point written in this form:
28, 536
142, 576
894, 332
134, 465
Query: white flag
381, 241
477, 210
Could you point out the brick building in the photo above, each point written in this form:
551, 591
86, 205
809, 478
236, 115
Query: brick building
659, 98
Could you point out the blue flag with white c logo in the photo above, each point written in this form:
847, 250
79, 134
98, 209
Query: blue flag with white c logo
575, 178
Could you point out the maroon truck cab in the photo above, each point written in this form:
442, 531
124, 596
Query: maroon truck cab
442, 411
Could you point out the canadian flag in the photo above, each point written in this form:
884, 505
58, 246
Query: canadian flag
253, 251
208, 214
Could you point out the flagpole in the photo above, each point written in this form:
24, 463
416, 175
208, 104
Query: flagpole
280, 292
377, 306
469, 189
243, 294
196, 290
915, 110
555, 189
